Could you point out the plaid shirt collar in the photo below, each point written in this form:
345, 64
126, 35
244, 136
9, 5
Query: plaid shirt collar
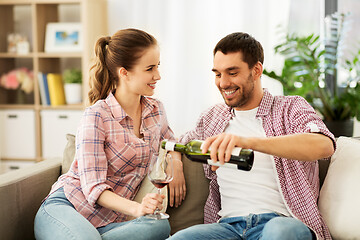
265, 104
119, 113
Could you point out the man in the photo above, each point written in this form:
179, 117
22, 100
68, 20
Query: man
277, 199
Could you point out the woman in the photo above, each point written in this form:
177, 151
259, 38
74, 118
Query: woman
115, 140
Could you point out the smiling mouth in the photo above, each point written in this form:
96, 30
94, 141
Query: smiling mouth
152, 85
229, 93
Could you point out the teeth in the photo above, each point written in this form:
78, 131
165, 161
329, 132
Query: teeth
152, 85
229, 92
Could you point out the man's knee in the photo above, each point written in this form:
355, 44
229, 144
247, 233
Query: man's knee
286, 228
186, 233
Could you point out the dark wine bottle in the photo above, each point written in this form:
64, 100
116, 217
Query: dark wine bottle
241, 159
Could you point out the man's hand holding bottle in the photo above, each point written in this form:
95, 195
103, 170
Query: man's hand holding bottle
222, 146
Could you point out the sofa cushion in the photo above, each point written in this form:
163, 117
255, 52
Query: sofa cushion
340, 194
191, 211
69, 153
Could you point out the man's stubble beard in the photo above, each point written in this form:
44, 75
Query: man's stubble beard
246, 93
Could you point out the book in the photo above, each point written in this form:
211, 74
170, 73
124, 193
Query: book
44, 90
56, 89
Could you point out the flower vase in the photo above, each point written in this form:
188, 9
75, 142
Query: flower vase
12, 96
18, 96
3, 95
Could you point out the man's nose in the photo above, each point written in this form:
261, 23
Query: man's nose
224, 82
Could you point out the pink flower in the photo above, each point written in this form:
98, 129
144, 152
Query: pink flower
11, 81
21, 77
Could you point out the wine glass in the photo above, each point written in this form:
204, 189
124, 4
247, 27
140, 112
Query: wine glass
160, 173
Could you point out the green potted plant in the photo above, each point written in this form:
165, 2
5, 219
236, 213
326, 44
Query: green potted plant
72, 85
311, 70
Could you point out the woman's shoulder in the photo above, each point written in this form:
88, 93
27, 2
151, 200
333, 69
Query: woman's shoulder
99, 108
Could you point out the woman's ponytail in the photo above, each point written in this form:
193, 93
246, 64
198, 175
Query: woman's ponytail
100, 80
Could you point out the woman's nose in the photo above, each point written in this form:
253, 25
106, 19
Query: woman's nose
157, 75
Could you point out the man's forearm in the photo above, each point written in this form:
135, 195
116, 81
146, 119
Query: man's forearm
303, 147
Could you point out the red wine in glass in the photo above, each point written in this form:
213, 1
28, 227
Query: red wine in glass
160, 183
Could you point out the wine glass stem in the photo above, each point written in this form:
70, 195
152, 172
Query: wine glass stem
157, 211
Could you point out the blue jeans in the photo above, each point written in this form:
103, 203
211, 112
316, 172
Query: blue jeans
262, 226
58, 219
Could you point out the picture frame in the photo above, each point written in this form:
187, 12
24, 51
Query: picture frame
63, 37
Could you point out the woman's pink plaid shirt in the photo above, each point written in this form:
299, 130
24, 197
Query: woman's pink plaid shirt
110, 156
298, 180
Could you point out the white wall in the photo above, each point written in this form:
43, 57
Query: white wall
188, 30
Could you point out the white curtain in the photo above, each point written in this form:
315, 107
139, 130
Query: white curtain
188, 31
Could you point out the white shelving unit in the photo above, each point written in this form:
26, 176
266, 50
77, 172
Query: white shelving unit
26, 133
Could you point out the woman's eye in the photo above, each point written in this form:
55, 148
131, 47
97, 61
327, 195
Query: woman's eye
149, 69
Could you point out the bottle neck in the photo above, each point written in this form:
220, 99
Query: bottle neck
173, 146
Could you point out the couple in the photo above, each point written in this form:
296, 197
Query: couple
277, 199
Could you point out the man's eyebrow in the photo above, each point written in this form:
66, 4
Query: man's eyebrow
228, 69
232, 68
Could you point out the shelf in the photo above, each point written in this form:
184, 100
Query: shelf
21, 159
41, 55
17, 106
63, 107
30, 18
43, 107
59, 55
23, 2
15, 55
59, 2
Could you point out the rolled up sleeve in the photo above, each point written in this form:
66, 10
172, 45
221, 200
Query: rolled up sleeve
305, 120
91, 156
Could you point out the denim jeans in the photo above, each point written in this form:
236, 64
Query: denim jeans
261, 226
58, 219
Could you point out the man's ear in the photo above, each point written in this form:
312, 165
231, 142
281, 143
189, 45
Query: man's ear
257, 70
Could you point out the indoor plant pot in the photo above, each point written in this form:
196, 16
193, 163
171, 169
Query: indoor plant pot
73, 86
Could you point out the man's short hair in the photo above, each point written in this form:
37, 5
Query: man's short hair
242, 42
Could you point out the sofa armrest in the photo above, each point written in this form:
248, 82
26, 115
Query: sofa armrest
21, 193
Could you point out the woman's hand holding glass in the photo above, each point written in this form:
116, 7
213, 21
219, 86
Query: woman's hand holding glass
149, 204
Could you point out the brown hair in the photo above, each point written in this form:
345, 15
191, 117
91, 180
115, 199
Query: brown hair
123, 49
242, 42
